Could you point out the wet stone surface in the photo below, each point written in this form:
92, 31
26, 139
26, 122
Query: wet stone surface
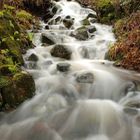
63, 67
85, 78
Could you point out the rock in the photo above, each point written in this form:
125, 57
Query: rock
33, 57
84, 52
91, 29
47, 27
68, 17
80, 33
68, 22
63, 67
61, 51
21, 88
58, 19
51, 22
86, 77
93, 20
130, 111
85, 22
45, 39
54, 10
91, 15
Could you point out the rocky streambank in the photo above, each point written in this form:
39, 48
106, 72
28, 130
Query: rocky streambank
124, 16
16, 85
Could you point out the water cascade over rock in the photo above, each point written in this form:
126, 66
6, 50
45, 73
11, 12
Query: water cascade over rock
79, 95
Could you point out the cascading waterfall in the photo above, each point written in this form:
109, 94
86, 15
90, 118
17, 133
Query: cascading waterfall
82, 97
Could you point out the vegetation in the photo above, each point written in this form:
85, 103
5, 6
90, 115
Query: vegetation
124, 15
126, 52
14, 41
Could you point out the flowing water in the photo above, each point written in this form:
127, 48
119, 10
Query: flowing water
84, 98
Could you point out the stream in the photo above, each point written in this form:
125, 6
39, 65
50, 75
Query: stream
79, 95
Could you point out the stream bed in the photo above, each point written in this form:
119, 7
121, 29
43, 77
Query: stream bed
79, 95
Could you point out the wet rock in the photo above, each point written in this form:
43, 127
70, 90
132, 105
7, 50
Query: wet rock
68, 17
91, 15
48, 62
86, 77
61, 51
54, 10
91, 29
130, 111
80, 33
33, 57
68, 22
47, 27
93, 20
45, 39
20, 88
47, 16
84, 52
85, 22
31, 65
51, 22
63, 67
58, 19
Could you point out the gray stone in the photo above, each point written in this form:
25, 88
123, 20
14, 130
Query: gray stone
85, 22
58, 19
91, 29
80, 33
61, 51
84, 52
68, 22
33, 57
47, 27
90, 15
86, 77
45, 39
63, 67
93, 20
130, 111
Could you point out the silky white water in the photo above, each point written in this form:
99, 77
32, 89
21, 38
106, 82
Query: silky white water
92, 100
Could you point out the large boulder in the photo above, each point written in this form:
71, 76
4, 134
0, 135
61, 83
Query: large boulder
16, 89
61, 51
80, 33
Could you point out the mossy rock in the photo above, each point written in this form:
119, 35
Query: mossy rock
14, 49
81, 33
85, 22
4, 81
61, 51
20, 88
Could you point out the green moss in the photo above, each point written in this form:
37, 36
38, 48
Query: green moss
22, 14
85, 22
4, 81
103, 3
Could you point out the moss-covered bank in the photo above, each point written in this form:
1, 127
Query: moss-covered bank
15, 84
124, 15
